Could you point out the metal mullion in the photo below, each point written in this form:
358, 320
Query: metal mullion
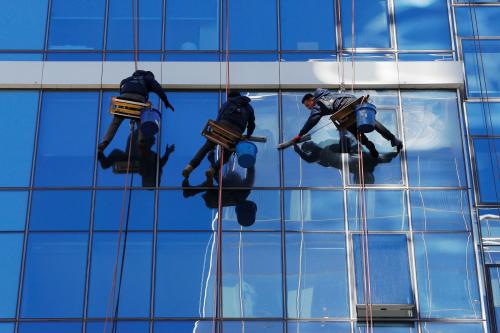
452, 22
47, 31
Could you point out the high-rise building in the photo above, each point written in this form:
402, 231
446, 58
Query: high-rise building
342, 241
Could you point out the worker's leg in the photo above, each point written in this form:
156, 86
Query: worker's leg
198, 157
364, 140
386, 134
110, 133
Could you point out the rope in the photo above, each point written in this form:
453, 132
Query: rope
112, 292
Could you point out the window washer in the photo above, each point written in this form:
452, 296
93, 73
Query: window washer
135, 88
237, 115
325, 102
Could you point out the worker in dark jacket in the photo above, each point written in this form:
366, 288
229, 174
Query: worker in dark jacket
237, 115
324, 103
245, 209
135, 88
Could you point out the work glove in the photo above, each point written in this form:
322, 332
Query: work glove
296, 138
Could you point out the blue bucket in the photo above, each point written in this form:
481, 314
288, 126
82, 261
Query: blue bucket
150, 122
365, 117
246, 152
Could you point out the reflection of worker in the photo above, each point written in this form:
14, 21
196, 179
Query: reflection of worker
135, 88
237, 115
145, 159
331, 156
245, 209
324, 102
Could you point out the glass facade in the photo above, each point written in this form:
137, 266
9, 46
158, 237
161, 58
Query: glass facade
187, 265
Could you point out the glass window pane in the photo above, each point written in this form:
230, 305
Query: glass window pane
487, 156
386, 328
452, 327
301, 31
136, 281
76, 25
192, 25
19, 109
184, 326
483, 78
379, 214
314, 210
389, 269
251, 279
371, 23
11, 247
121, 327
433, 139
192, 282
197, 108
13, 207
65, 155
50, 327
493, 274
7, 327
318, 327
412, 34
440, 210
54, 278
121, 25
483, 118
247, 33
23, 29
446, 273
253, 326
485, 20
109, 205
60, 210
313, 262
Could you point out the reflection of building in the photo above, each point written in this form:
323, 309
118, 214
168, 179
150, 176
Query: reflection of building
432, 210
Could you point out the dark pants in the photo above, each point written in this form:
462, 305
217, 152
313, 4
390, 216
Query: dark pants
209, 146
381, 129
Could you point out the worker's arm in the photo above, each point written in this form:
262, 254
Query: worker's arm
169, 150
155, 87
251, 121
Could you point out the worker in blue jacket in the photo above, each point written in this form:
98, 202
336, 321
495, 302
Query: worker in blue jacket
135, 88
324, 102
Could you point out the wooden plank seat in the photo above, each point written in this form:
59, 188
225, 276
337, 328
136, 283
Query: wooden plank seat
127, 109
225, 137
346, 116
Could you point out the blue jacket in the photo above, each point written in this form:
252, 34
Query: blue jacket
327, 103
239, 112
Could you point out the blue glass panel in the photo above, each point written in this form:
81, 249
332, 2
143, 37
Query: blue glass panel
76, 25
11, 246
483, 118
54, 278
186, 266
487, 157
193, 109
386, 328
481, 21
7, 328
379, 214
109, 205
493, 274
13, 207
452, 327
314, 210
371, 23
310, 272
426, 56
480, 67
25, 56
433, 139
118, 151
413, 35
184, 326
136, 281
65, 155
447, 277
23, 29
253, 326
489, 220
318, 327
60, 210
18, 121
306, 56
440, 210
121, 25
251, 277
246, 32
388, 269
324, 167
121, 327
302, 31
192, 25
50, 327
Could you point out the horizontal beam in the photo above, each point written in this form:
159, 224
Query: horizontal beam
244, 75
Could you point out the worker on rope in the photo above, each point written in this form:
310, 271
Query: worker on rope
134, 88
245, 209
237, 115
324, 102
